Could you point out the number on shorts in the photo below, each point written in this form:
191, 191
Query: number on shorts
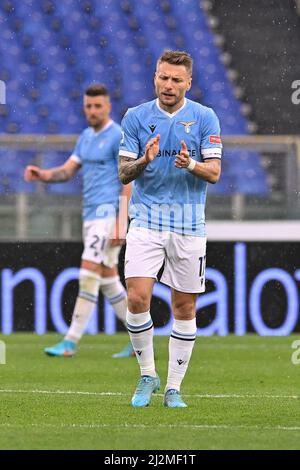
202, 260
97, 240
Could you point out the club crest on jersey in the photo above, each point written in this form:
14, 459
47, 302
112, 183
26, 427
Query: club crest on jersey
187, 125
102, 143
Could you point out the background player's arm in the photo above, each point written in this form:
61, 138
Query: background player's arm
122, 220
208, 170
58, 174
130, 169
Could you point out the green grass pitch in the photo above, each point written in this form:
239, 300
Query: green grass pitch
242, 392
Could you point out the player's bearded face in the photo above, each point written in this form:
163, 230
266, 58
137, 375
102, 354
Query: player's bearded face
96, 109
171, 83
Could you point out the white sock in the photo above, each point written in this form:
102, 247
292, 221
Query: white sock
181, 345
89, 283
115, 292
140, 329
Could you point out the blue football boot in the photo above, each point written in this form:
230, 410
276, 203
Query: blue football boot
145, 387
172, 399
128, 351
64, 348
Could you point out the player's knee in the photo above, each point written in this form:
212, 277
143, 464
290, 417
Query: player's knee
89, 282
138, 300
183, 309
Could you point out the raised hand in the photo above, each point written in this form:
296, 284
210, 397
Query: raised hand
152, 148
182, 159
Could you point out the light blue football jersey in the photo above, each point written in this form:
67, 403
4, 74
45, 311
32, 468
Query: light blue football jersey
98, 152
165, 197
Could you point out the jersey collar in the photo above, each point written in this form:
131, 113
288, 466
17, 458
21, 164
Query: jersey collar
170, 115
110, 122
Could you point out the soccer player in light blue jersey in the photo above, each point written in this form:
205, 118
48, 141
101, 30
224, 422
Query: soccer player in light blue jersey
96, 153
171, 148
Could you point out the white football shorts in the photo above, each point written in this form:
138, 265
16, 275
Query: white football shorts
96, 237
183, 257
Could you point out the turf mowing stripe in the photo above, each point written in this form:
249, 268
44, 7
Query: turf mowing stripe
202, 345
150, 426
109, 394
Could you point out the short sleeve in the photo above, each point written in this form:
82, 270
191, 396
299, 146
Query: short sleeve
129, 146
76, 154
211, 145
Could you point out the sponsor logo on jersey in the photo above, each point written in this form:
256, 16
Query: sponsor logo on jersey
215, 139
174, 152
187, 125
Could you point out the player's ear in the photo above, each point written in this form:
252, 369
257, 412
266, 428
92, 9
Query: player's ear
189, 84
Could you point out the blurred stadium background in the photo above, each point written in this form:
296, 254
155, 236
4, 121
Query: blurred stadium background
246, 67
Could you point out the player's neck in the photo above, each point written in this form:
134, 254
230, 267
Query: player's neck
171, 109
102, 125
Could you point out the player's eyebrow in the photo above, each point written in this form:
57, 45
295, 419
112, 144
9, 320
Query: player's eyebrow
163, 75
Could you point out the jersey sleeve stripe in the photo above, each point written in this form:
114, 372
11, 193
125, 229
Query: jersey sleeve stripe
209, 151
125, 153
216, 157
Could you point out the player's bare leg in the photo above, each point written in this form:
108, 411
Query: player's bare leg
140, 328
180, 345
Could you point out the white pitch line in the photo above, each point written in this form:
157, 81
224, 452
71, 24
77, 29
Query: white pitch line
120, 394
294, 397
63, 392
151, 426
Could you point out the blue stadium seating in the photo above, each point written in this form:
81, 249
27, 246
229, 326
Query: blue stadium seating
51, 50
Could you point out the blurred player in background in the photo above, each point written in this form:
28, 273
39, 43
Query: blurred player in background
171, 171
96, 152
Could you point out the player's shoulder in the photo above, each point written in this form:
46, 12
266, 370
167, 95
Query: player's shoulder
86, 132
201, 109
141, 110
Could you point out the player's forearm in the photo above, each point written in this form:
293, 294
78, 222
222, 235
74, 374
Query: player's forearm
209, 171
56, 175
130, 169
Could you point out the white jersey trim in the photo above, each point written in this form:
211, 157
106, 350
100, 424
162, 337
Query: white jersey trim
209, 151
170, 115
110, 122
125, 153
76, 159
211, 154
